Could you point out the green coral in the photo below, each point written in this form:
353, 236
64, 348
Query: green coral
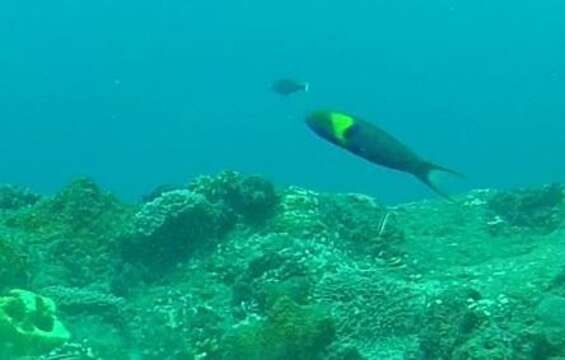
489, 343
356, 223
448, 322
81, 209
73, 229
169, 228
267, 275
362, 223
16, 197
289, 331
367, 305
14, 264
274, 272
158, 191
29, 325
298, 214
298, 332
557, 284
541, 209
75, 301
252, 198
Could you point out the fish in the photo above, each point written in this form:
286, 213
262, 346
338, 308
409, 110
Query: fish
286, 87
370, 142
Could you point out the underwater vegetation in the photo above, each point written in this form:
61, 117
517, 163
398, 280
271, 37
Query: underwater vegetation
232, 267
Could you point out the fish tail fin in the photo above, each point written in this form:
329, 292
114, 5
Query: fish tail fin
426, 175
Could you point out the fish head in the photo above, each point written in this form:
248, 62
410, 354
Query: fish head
320, 122
332, 126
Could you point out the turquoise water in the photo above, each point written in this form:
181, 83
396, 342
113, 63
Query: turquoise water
158, 201
140, 94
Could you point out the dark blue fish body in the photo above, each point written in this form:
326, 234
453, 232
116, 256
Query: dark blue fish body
372, 143
287, 86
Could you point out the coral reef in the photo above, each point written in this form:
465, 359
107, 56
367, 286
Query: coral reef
16, 197
81, 209
229, 267
541, 209
169, 228
448, 321
251, 198
74, 231
15, 267
75, 301
71, 351
29, 324
298, 215
367, 305
368, 227
158, 191
289, 331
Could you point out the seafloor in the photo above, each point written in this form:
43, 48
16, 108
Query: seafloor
231, 267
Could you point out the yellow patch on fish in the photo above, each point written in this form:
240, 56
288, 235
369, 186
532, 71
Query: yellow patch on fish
340, 124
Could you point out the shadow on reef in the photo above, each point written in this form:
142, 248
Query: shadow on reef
539, 209
177, 221
229, 267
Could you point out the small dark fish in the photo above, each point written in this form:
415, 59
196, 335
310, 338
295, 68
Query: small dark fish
287, 86
370, 142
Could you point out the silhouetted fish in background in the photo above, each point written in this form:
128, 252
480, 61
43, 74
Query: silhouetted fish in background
287, 86
368, 141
